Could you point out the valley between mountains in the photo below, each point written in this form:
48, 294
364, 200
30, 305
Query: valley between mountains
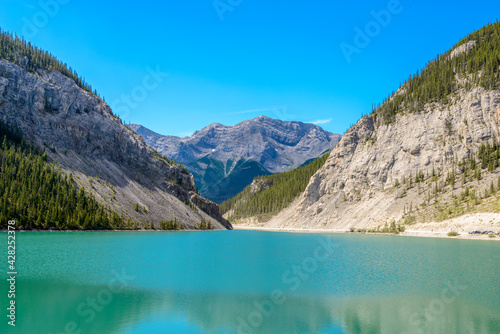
426, 160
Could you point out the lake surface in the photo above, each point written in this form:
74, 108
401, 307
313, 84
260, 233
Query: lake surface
252, 282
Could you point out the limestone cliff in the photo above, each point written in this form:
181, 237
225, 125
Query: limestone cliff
80, 134
420, 163
357, 186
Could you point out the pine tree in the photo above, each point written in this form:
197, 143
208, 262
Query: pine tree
283, 189
16, 50
437, 81
34, 194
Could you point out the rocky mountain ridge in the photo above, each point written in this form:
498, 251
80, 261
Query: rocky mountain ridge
276, 145
82, 136
362, 184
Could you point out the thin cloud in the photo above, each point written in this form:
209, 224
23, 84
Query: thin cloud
322, 121
258, 110
186, 134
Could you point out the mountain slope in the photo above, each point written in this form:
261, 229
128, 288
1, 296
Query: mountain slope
216, 183
267, 195
36, 195
429, 153
82, 136
225, 159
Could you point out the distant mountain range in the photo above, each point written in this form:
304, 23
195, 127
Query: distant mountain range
225, 159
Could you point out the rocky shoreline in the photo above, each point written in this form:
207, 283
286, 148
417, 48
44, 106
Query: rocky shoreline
462, 225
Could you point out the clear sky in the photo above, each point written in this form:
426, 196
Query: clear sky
231, 60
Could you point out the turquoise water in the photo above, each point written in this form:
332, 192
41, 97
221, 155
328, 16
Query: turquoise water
252, 282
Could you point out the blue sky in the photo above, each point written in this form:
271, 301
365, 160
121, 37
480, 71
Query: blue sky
231, 60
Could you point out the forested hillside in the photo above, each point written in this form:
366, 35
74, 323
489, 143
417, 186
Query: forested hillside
37, 196
438, 80
15, 49
268, 195
51, 106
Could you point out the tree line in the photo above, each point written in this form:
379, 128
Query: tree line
14, 49
283, 189
438, 80
37, 196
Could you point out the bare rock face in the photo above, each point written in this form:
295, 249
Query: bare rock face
81, 134
463, 48
356, 186
259, 185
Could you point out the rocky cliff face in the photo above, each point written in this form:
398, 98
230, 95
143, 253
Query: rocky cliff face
366, 181
225, 159
83, 137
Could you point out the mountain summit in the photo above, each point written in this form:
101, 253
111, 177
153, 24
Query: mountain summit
225, 159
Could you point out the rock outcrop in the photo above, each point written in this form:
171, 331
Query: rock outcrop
259, 185
82, 136
463, 48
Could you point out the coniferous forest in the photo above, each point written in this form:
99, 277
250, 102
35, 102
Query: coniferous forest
37, 196
14, 49
282, 189
435, 83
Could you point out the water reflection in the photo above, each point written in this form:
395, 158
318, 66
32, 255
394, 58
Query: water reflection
417, 315
56, 308
224, 282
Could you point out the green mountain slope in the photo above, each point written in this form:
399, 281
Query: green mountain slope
38, 196
20, 52
215, 182
268, 195
478, 62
